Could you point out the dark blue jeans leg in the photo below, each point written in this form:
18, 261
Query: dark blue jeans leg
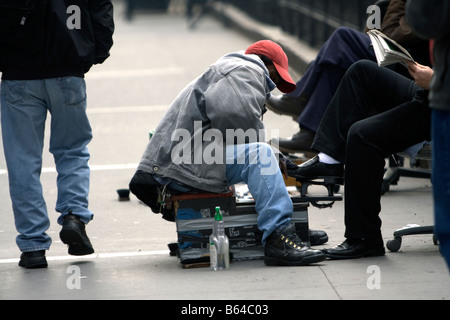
441, 179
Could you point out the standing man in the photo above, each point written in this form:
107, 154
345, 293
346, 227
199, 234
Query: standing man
46, 47
432, 21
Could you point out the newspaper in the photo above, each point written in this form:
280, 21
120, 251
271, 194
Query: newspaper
387, 50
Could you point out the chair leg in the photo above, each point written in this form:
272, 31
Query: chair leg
395, 244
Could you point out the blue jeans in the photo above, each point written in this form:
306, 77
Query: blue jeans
24, 107
441, 179
256, 165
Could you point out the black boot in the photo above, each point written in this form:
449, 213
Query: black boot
317, 237
33, 259
73, 234
284, 248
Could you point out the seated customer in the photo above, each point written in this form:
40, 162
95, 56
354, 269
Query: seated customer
194, 146
308, 103
349, 135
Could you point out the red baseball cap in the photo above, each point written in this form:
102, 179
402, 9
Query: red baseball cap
274, 52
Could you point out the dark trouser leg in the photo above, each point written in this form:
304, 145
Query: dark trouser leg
320, 98
365, 89
344, 47
370, 141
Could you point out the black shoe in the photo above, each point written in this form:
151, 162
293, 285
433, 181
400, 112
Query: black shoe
356, 248
300, 142
73, 234
317, 237
314, 169
286, 249
287, 105
33, 259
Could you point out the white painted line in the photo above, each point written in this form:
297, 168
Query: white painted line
97, 256
105, 167
128, 109
109, 110
133, 73
114, 166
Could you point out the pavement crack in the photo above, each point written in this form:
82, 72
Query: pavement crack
332, 286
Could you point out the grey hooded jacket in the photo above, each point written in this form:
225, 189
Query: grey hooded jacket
188, 144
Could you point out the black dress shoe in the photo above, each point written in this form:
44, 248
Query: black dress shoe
286, 105
73, 234
299, 142
286, 249
317, 237
33, 259
314, 169
356, 248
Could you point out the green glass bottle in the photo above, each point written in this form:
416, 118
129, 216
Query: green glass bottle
219, 246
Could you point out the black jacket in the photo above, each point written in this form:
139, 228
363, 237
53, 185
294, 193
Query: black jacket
431, 19
53, 38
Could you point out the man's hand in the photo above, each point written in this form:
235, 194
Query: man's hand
286, 165
283, 167
422, 74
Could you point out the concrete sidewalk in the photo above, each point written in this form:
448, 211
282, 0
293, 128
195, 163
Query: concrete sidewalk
153, 58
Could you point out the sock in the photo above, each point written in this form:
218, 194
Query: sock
324, 158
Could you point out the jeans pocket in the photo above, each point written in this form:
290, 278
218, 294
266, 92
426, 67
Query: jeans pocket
13, 91
73, 89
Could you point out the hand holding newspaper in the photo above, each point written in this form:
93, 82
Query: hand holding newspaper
387, 50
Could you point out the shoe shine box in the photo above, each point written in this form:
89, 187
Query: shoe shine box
194, 215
